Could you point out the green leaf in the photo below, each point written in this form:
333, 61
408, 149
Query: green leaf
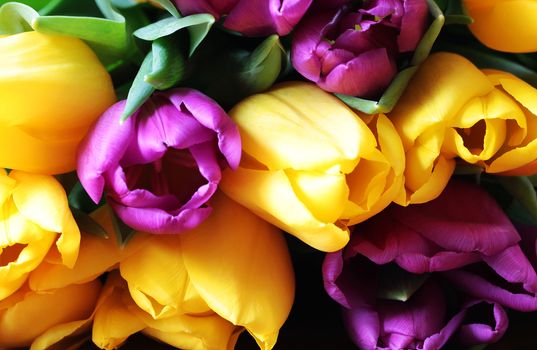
458, 19
123, 232
140, 89
398, 284
430, 36
87, 224
521, 188
79, 199
518, 213
168, 64
16, 18
198, 26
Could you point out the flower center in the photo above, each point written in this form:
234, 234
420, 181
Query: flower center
11, 253
176, 173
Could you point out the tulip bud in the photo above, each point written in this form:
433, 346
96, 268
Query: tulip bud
51, 89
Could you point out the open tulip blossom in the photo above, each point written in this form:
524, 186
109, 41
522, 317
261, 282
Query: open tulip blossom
268, 174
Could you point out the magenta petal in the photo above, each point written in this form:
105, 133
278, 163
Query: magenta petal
476, 223
514, 267
158, 221
438, 340
481, 288
363, 327
266, 17
102, 149
305, 46
209, 114
366, 75
383, 8
413, 25
216, 8
479, 333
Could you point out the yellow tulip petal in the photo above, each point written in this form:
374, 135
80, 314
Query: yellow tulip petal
23, 246
270, 195
209, 332
523, 92
240, 265
156, 276
51, 89
504, 25
434, 186
300, 126
43, 200
7, 185
390, 144
113, 323
324, 194
26, 319
433, 97
63, 336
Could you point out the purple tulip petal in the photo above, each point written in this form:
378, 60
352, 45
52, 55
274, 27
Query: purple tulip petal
514, 267
366, 75
383, 8
158, 221
476, 223
438, 340
216, 8
414, 24
481, 288
265, 17
209, 114
363, 326
155, 134
479, 333
103, 148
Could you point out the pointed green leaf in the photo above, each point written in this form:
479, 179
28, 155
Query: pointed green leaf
140, 90
109, 11
198, 26
122, 231
521, 188
97, 31
426, 43
87, 224
79, 199
16, 18
168, 64
398, 284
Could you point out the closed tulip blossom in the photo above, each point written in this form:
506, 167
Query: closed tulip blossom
312, 166
462, 239
163, 164
451, 110
504, 25
52, 88
356, 49
250, 17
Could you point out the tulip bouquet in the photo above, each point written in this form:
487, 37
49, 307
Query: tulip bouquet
268, 174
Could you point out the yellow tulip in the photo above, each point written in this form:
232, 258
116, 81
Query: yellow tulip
312, 166
198, 290
232, 269
505, 25
452, 109
32, 318
35, 225
51, 90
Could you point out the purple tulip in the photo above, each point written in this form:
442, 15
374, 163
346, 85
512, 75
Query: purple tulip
163, 164
465, 240
355, 51
251, 17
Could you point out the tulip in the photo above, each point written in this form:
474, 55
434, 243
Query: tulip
52, 88
163, 164
464, 239
504, 25
356, 51
250, 17
210, 273
311, 166
192, 291
35, 218
452, 109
